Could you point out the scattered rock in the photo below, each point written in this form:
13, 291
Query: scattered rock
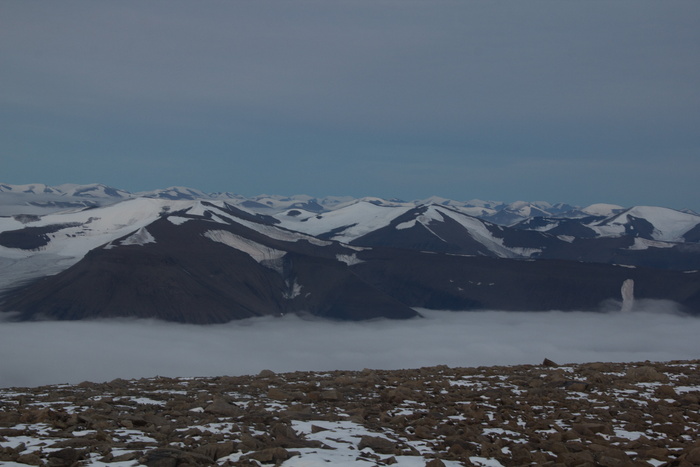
29, 459
64, 457
282, 395
435, 463
377, 444
221, 407
217, 450
317, 429
330, 395
576, 386
647, 374
517, 415
170, 457
665, 392
270, 456
693, 456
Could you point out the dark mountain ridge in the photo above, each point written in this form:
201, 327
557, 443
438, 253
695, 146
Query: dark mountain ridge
224, 263
211, 261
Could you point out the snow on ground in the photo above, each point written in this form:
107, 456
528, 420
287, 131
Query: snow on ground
342, 438
496, 415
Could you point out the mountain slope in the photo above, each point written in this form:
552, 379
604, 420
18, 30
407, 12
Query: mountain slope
208, 263
203, 268
172, 255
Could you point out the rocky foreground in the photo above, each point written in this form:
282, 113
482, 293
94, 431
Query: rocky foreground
606, 414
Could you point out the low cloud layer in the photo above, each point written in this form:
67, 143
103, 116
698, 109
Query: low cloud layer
40, 353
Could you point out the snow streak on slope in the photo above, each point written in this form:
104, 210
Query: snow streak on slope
477, 229
474, 228
350, 260
258, 252
267, 230
644, 244
140, 237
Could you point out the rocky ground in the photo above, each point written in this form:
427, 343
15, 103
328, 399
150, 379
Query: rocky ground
606, 414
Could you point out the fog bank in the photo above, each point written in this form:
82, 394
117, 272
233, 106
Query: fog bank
38, 353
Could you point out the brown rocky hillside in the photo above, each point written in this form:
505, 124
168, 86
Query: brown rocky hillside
605, 414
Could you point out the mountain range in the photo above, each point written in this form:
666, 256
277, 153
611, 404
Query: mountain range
87, 251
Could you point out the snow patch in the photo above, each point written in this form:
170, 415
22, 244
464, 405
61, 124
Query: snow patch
479, 232
140, 237
406, 225
644, 244
178, 220
258, 252
267, 230
602, 209
294, 290
349, 259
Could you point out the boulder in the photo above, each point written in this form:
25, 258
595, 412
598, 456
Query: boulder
63, 457
270, 456
646, 374
217, 450
221, 407
167, 457
330, 395
693, 456
377, 444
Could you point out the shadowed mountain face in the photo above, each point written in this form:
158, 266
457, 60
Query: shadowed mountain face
663, 239
213, 262
184, 275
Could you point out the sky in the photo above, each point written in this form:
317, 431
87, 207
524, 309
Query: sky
577, 102
38, 353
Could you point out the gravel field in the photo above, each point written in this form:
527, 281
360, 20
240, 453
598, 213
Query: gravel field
607, 414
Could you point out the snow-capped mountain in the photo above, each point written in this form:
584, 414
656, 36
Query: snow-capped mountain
650, 223
39, 199
184, 255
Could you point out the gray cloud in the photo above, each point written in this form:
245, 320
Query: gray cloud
55, 352
271, 91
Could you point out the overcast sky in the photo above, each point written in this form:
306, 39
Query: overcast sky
579, 102
37, 353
